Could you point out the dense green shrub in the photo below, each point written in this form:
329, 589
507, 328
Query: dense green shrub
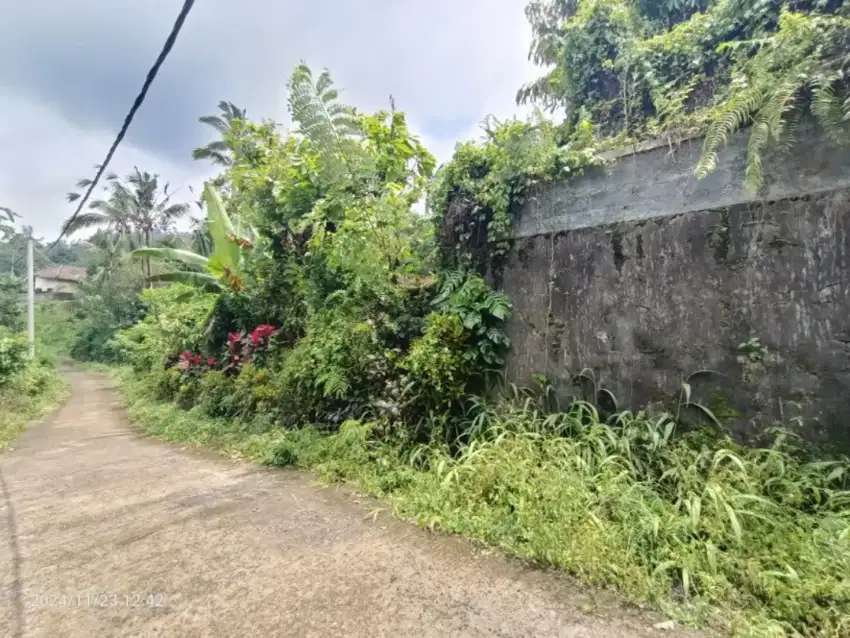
13, 355
34, 388
175, 319
12, 295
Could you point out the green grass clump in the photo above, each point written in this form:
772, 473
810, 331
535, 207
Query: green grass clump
753, 540
26, 396
55, 329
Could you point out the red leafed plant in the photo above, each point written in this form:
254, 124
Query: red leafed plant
187, 362
244, 347
261, 334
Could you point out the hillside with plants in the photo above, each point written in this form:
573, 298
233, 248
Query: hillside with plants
314, 319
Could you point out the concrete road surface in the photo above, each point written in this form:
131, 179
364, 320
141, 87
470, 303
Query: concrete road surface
104, 533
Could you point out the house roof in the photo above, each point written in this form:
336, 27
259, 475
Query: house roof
63, 273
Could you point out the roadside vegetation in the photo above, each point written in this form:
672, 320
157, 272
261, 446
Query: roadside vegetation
312, 318
28, 388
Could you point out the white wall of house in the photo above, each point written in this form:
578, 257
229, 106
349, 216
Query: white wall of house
54, 285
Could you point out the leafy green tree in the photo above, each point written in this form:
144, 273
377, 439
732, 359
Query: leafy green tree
546, 18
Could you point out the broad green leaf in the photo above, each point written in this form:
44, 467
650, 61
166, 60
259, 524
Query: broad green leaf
175, 254
221, 229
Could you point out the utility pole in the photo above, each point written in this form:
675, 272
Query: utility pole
30, 297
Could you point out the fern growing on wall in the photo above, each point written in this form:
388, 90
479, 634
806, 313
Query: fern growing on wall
800, 69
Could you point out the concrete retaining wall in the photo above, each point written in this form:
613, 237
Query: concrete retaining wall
645, 275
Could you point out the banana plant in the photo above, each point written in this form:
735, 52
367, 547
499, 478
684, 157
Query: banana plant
223, 269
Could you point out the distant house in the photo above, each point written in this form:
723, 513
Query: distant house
59, 281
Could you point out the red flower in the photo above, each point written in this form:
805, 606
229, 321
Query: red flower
196, 359
186, 356
211, 362
261, 332
233, 338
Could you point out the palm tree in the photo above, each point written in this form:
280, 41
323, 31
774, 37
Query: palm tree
86, 182
7, 230
108, 258
136, 209
218, 151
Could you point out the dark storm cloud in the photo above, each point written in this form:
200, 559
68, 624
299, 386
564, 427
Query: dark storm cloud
69, 70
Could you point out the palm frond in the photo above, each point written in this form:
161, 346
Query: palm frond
173, 211
84, 221
215, 121
207, 153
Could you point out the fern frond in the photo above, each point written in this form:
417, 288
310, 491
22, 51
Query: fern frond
827, 108
333, 383
759, 137
782, 102
737, 112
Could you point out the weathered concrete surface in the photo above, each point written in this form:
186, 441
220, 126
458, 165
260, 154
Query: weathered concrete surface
693, 273
92, 513
660, 182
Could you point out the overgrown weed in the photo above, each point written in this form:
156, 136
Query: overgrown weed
754, 540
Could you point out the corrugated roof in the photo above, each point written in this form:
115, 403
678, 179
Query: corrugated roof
62, 273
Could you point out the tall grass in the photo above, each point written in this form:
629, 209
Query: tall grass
753, 540
28, 395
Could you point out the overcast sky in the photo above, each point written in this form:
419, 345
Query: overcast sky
69, 70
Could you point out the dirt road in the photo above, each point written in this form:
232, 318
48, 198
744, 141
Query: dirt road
104, 533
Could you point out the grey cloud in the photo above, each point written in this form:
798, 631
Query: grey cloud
81, 63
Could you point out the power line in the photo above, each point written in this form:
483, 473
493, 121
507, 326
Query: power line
166, 49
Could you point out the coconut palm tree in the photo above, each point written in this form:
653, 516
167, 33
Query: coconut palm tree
136, 209
218, 151
109, 256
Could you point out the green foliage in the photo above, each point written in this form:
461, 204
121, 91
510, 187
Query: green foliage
332, 372
640, 68
223, 267
13, 355
752, 541
55, 329
483, 314
105, 308
475, 195
174, 321
12, 295
777, 78
31, 391
438, 371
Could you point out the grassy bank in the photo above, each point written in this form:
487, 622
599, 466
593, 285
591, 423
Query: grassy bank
753, 541
27, 396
